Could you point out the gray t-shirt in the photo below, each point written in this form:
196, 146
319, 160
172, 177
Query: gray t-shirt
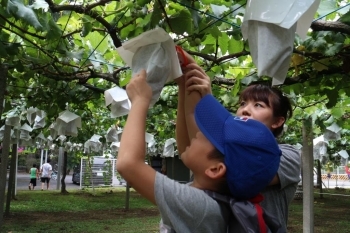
186, 209
278, 197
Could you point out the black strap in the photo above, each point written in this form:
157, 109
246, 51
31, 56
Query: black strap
246, 214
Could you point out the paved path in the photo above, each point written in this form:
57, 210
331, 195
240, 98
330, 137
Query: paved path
23, 182
332, 183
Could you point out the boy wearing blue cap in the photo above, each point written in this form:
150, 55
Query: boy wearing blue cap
229, 155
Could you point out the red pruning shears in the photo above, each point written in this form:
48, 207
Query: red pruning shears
182, 59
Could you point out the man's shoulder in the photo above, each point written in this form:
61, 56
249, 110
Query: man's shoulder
289, 150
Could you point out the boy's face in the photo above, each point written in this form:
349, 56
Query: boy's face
195, 156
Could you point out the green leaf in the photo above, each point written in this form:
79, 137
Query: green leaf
209, 48
333, 49
337, 112
327, 6
53, 31
236, 88
13, 49
87, 26
141, 22
19, 66
127, 30
227, 99
123, 82
175, 6
195, 17
223, 43
209, 40
320, 43
156, 14
332, 98
3, 52
338, 38
235, 46
215, 32
142, 3
181, 23
4, 12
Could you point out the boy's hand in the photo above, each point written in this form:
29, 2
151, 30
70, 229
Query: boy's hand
197, 80
138, 89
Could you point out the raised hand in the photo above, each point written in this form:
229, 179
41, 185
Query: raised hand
138, 89
197, 80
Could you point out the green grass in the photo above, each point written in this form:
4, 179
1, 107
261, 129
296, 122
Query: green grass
104, 211
331, 213
75, 201
81, 211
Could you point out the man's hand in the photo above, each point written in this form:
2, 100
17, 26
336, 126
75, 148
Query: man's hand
197, 80
138, 89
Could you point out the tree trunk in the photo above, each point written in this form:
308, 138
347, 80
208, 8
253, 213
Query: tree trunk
3, 83
3, 169
64, 173
319, 177
11, 181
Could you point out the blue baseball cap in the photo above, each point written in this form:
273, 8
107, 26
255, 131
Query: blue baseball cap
251, 153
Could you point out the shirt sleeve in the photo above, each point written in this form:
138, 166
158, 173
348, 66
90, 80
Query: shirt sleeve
179, 204
289, 169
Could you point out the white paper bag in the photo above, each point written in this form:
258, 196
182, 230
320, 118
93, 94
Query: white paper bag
155, 60
155, 52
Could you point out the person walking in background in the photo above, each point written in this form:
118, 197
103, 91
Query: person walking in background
347, 170
46, 170
34, 174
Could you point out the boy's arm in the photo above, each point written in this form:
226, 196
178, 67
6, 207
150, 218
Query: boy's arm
186, 127
191, 100
181, 133
197, 86
131, 157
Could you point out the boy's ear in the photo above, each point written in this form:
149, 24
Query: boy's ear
216, 171
278, 122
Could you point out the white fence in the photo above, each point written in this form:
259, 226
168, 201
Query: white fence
99, 172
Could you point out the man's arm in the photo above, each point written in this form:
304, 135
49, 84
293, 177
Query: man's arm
50, 171
131, 157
